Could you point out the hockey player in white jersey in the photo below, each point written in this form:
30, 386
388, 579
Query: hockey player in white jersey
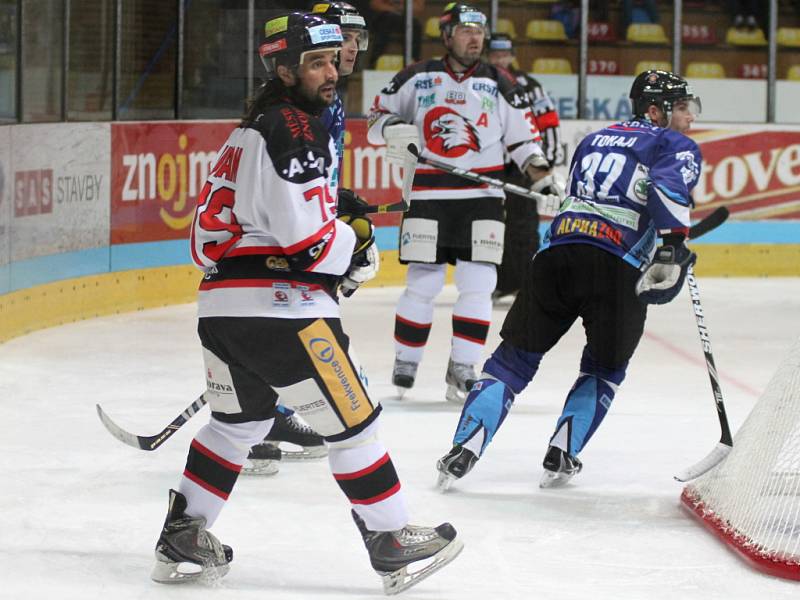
296, 439
466, 113
274, 254
522, 216
630, 183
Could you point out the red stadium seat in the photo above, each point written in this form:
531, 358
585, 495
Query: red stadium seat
603, 67
599, 31
701, 35
752, 71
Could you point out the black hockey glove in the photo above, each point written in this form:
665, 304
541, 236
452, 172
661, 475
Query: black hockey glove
350, 203
366, 261
663, 278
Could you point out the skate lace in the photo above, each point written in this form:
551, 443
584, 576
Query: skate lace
413, 534
403, 367
298, 426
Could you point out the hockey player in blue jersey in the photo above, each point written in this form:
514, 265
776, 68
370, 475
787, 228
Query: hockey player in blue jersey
264, 457
630, 183
356, 39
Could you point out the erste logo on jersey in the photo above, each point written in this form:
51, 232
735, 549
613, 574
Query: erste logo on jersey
449, 134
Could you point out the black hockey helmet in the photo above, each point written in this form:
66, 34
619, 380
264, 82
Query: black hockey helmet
345, 16
289, 37
460, 14
500, 41
661, 89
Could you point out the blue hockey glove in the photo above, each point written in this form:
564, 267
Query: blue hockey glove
663, 279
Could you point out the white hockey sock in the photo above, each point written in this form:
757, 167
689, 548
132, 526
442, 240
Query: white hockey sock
415, 310
366, 475
472, 313
214, 462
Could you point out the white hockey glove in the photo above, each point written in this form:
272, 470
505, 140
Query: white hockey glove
663, 279
551, 184
365, 263
398, 136
363, 269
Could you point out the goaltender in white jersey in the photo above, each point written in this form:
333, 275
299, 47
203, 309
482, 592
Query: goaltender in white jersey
463, 112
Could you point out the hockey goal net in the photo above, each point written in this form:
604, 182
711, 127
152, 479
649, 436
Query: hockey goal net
751, 501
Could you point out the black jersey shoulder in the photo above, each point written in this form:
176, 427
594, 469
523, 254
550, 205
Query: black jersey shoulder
297, 143
507, 85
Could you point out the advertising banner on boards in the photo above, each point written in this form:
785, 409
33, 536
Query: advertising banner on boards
157, 172
59, 173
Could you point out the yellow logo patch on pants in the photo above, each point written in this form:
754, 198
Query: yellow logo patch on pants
340, 379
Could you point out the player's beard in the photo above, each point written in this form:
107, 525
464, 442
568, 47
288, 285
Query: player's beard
314, 102
466, 60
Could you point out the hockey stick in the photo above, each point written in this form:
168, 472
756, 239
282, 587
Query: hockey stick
545, 203
409, 167
711, 221
725, 444
150, 442
546, 207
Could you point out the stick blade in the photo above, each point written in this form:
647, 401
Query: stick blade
712, 221
716, 456
119, 433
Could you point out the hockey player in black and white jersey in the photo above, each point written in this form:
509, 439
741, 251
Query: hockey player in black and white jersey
289, 439
461, 111
274, 253
522, 217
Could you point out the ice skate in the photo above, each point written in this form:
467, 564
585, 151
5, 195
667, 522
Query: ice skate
403, 375
559, 468
460, 379
185, 551
405, 557
454, 465
288, 429
264, 459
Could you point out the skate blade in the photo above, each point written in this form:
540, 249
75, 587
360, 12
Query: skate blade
260, 467
444, 481
400, 580
401, 391
299, 453
551, 479
455, 395
185, 572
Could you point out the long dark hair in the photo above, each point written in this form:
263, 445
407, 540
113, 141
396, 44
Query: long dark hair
270, 92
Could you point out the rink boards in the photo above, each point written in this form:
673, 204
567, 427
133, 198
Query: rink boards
94, 217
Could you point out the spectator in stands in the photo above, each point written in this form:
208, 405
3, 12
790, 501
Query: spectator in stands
569, 13
648, 6
389, 21
745, 11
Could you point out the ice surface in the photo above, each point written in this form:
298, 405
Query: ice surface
80, 512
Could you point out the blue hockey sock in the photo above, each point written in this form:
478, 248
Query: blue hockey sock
512, 366
484, 411
587, 404
283, 410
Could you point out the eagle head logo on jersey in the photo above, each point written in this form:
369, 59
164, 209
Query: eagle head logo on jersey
449, 134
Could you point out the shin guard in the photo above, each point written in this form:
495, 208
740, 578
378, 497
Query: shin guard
587, 404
